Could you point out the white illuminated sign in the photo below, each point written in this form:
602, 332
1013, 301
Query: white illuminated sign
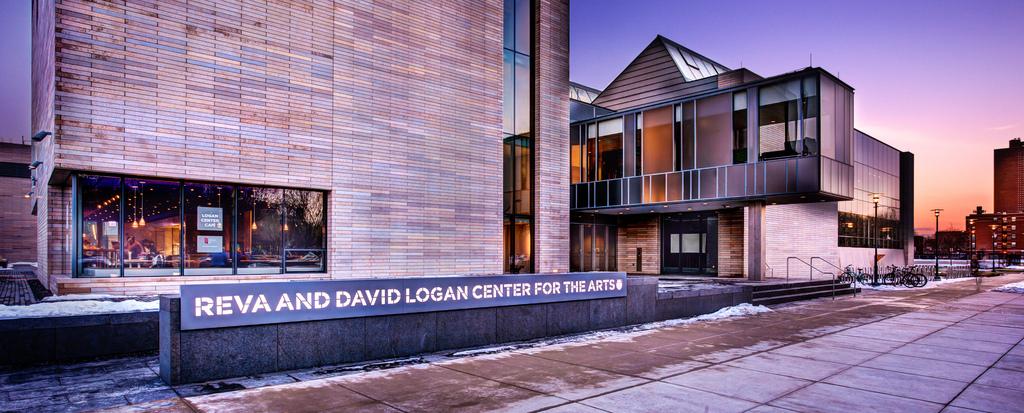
223, 305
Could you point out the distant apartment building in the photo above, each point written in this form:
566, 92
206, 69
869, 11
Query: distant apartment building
682, 165
998, 231
1008, 178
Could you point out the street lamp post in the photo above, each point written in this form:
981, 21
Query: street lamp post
992, 253
874, 199
936, 211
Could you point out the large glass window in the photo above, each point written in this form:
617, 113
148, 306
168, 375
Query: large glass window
209, 214
517, 245
689, 127
714, 131
739, 127
100, 198
657, 140
788, 117
137, 226
304, 231
260, 230
609, 148
777, 119
575, 154
518, 118
152, 232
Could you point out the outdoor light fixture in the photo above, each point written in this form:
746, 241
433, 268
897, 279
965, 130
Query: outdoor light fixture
40, 136
937, 211
875, 197
35, 164
28, 195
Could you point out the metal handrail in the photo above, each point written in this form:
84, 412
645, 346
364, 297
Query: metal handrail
771, 271
854, 286
810, 273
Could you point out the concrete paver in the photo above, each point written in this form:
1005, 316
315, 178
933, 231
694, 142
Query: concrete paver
996, 377
662, 397
979, 358
991, 399
824, 397
899, 384
734, 382
926, 367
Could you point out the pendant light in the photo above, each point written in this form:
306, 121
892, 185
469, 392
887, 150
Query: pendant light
254, 211
142, 208
135, 205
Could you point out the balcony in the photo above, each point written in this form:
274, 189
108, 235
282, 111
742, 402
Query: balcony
774, 179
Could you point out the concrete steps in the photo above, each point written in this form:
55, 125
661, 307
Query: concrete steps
805, 290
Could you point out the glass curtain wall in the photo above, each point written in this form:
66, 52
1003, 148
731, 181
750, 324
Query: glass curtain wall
136, 227
518, 137
876, 171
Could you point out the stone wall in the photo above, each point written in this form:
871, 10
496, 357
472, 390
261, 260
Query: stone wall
804, 231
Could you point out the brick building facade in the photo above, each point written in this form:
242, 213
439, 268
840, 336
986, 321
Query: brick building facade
393, 111
998, 230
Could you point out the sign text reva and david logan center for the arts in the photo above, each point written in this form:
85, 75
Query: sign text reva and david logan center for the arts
228, 305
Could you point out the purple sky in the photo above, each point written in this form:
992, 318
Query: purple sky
15, 75
942, 79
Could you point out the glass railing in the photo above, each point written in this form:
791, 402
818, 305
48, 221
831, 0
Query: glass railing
803, 174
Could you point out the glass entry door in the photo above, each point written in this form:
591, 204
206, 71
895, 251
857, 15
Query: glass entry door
689, 243
593, 247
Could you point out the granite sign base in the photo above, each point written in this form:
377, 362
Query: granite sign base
189, 356
47, 340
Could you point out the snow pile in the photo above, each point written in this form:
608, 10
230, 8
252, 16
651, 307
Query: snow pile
81, 307
622, 334
78, 297
1017, 287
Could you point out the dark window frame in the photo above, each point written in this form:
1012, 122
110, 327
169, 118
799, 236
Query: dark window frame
76, 201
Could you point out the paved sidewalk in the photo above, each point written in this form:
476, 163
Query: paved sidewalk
953, 347
15, 288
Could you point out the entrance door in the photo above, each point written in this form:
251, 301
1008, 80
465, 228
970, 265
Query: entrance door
688, 243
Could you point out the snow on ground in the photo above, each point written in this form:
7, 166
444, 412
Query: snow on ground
1017, 287
79, 297
620, 334
80, 307
931, 284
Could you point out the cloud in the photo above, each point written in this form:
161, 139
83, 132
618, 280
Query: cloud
1004, 127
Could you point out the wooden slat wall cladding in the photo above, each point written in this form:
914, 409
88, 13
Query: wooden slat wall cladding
551, 140
652, 77
393, 106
